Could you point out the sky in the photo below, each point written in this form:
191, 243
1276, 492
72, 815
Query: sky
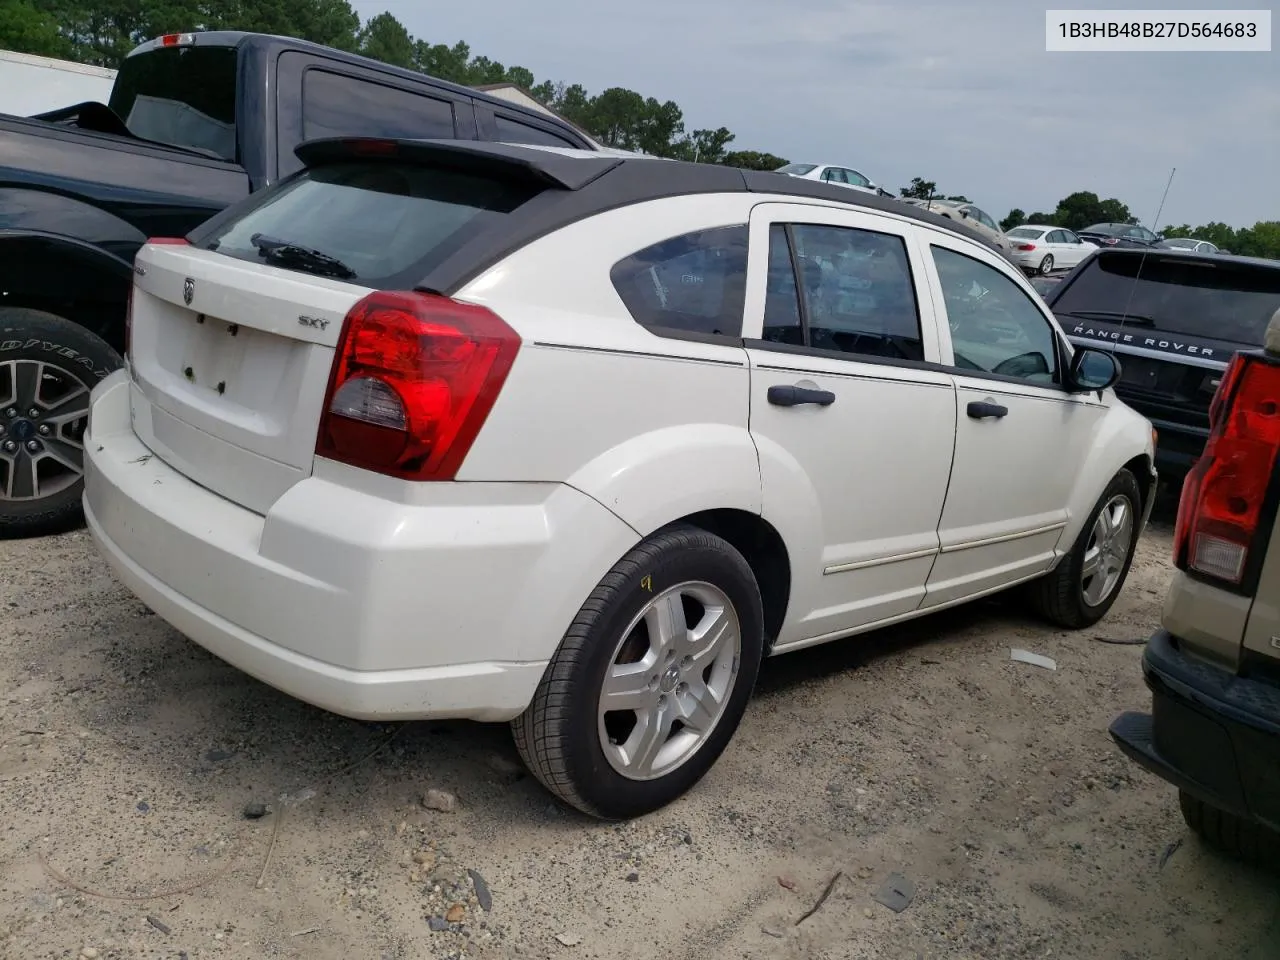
961, 93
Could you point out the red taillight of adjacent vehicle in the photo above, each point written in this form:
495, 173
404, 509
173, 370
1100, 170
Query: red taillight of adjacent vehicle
1026, 246
1225, 492
413, 380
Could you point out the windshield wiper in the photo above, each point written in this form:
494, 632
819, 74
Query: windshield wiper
1109, 315
315, 261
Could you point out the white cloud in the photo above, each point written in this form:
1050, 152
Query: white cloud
960, 93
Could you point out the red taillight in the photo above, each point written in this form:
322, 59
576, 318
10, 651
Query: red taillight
1109, 241
370, 147
177, 39
414, 378
1224, 493
1026, 246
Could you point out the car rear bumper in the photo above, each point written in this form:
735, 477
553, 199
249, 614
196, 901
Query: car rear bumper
363, 605
1210, 733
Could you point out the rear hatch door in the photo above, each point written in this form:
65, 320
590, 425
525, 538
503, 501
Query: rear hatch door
233, 338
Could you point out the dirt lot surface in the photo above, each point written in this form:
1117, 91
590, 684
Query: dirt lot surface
128, 756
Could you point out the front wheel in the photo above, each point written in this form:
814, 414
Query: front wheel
1081, 589
48, 366
651, 679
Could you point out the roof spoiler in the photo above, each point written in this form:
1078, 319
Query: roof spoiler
505, 161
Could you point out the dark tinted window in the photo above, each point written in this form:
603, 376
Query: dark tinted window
781, 299
512, 131
995, 326
695, 283
185, 96
386, 221
1194, 296
857, 292
338, 106
1106, 229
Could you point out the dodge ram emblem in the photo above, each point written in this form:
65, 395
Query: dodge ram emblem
188, 291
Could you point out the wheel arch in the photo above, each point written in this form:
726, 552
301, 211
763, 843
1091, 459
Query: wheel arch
765, 552
68, 277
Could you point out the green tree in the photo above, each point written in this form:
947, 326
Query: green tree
753, 160
1015, 217
384, 38
702, 146
919, 189
1083, 208
31, 29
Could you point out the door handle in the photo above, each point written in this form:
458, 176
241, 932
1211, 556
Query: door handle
982, 410
784, 395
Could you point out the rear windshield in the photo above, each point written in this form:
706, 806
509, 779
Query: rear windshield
184, 96
370, 221
1029, 233
799, 169
1104, 228
1182, 295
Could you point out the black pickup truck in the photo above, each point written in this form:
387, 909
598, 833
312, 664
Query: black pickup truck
195, 122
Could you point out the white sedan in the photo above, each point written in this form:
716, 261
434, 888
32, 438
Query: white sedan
841, 176
1043, 249
441, 429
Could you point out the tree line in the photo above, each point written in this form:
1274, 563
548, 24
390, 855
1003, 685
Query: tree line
102, 32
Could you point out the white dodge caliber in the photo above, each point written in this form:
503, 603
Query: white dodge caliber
571, 440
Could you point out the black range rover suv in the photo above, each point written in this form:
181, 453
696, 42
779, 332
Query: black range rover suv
1174, 320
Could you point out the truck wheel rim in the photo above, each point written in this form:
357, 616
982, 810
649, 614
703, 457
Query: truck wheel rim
669, 680
43, 413
1107, 551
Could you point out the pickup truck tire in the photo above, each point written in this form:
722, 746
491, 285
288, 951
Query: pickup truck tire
48, 366
1242, 839
1061, 596
679, 693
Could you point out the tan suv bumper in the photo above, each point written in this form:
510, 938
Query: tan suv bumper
1210, 733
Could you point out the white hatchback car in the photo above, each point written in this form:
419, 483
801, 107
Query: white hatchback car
506, 433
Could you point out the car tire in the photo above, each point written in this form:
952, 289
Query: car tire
48, 366
1046, 265
1063, 597
1242, 839
619, 764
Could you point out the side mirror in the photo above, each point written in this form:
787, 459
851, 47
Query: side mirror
1159, 238
964, 214
1092, 370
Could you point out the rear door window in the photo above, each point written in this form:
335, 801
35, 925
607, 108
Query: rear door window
693, 283
513, 131
334, 105
1196, 297
382, 223
855, 293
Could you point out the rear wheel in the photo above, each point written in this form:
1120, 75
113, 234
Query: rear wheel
1046, 265
1238, 838
1081, 589
48, 366
651, 679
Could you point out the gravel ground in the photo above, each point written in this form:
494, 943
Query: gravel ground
129, 759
